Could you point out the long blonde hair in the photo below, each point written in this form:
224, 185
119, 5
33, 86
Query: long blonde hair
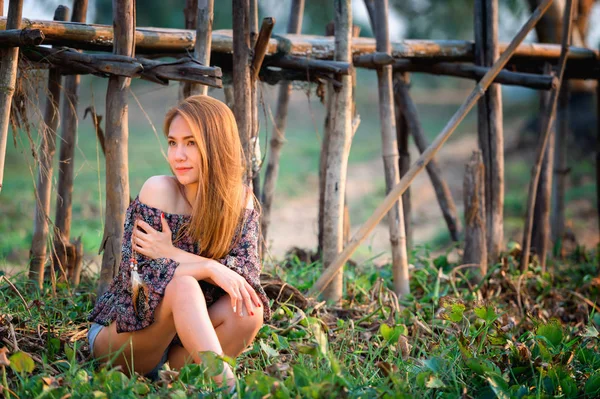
220, 201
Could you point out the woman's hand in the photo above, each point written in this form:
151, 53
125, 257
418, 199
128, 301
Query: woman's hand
151, 243
241, 293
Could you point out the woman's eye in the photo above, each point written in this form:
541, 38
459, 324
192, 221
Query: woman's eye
171, 143
191, 143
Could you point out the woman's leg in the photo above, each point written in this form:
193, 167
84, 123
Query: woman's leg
235, 333
182, 311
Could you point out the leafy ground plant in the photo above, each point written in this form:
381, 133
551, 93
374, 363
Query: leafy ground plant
513, 335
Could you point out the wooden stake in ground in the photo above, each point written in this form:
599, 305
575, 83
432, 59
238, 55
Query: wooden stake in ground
117, 141
199, 16
241, 79
390, 153
561, 170
548, 120
278, 139
442, 191
491, 137
340, 136
475, 231
540, 233
9, 59
47, 148
66, 164
402, 134
418, 166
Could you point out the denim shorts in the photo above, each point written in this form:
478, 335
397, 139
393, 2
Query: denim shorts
93, 332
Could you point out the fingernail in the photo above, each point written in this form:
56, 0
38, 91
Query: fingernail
251, 313
162, 215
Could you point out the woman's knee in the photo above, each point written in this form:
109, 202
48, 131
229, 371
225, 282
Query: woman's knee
183, 288
249, 324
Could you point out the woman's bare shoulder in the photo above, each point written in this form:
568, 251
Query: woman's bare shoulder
161, 192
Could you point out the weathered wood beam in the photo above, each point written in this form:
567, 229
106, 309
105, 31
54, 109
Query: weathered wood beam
278, 139
242, 87
390, 155
548, 120
260, 48
307, 65
67, 252
70, 62
339, 114
475, 251
168, 41
203, 23
490, 126
470, 71
9, 59
419, 165
46, 151
21, 37
117, 142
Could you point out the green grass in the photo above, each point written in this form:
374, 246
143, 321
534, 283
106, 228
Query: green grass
442, 342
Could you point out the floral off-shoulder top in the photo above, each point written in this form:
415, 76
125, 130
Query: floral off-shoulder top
116, 303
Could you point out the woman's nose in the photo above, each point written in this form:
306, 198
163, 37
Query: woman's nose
180, 152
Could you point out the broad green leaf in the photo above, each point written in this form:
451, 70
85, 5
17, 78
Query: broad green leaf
99, 395
178, 394
552, 331
21, 362
499, 385
590, 332
569, 387
270, 352
486, 312
70, 353
481, 366
390, 334
214, 365
434, 382
141, 388
453, 311
592, 385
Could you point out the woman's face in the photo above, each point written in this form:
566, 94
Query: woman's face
183, 154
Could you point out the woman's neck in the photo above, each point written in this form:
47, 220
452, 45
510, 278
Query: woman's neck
189, 192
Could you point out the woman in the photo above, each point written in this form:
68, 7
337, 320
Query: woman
189, 275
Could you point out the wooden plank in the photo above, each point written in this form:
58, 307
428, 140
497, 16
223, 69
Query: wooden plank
475, 251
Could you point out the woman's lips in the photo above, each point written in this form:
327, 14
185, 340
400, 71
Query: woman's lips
182, 170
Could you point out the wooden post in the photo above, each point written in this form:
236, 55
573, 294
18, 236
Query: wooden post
47, 148
278, 139
390, 153
561, 170
9, 59
428, 154
242, 86
442, 191
491, 140
340, 136
66, 164
402, 134
541, 219
474, 198
190, 15
546, 127
117, 140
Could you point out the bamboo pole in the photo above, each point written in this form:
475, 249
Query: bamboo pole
66, 164
9, 59
338, 150
47, 148
474, 197
117, 140
531, 80
255, 154
402, 134
242, 87
283, 97
561, 169
190, 17
490, 134
203, 24
442, 191
389, 144
170, 41
547, 125
418, 166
